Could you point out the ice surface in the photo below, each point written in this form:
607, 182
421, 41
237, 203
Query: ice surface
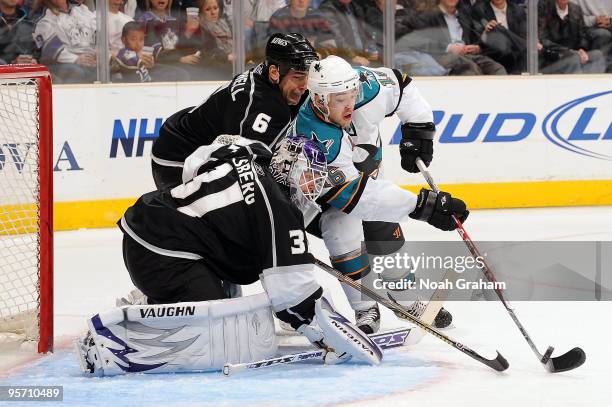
90, 273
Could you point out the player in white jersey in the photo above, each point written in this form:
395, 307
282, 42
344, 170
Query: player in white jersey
343, 112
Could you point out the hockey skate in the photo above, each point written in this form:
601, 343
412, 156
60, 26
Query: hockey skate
416, 309
368, 320
89, 359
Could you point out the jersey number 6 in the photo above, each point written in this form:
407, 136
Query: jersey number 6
260, 124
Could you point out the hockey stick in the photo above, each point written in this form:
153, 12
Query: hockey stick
499, 363
385, 340
569, 360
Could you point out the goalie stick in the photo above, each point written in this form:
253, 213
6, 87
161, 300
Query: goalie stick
499, 363
385, 340
569, 360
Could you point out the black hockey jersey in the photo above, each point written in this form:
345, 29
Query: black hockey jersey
249, 105
232, 215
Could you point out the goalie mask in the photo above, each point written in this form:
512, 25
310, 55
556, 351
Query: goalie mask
300, 166
333, 76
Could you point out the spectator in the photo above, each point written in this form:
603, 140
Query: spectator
259, 13
17, 45
116, 20
136, 8
503, 30
299, 17
137, 63
346, 20
598, 21
130, 7
160, 27
163, 29
563, 36
219, 29
407, 59
131, 61
453, 42
67, 35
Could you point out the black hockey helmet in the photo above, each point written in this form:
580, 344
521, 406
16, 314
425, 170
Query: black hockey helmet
289, 51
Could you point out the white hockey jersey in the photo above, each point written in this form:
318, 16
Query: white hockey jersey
63, 36
353, 153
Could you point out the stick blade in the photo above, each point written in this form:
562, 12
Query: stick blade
568, 361
499, 363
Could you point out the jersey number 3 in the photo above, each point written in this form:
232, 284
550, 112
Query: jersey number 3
298, 245
260, 124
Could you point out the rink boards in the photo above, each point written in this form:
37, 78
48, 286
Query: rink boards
512, 142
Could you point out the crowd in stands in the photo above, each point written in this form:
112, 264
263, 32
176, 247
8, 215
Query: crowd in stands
170, 40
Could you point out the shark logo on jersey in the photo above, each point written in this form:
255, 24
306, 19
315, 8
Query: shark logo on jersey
327, 144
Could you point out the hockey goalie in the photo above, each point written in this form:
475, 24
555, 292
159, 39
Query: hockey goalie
240, 218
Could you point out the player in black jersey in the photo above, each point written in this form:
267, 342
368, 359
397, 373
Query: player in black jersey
257, 104
239, 219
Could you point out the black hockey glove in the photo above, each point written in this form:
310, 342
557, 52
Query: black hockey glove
438, 209
417, 141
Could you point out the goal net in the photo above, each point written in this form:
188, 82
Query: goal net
26, 198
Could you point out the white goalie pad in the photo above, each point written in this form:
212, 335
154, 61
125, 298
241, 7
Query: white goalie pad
182, 337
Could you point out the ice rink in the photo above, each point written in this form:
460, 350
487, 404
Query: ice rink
89, 275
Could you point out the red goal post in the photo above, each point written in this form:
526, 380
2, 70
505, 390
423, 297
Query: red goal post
26, 205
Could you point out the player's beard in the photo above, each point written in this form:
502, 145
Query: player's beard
293, 97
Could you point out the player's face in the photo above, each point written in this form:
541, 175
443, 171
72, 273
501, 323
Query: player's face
134, 40
341, 106
293, 86
210, 10
307, 183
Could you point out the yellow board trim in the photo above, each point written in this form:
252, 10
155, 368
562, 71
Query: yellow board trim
89, 214
106, 213
529, 194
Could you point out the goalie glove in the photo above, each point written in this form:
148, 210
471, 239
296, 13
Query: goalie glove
342, 339
438, 209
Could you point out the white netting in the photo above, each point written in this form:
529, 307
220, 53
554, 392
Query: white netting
19, 208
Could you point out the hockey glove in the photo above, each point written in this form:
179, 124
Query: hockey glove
438, 209
417, 141
343, 340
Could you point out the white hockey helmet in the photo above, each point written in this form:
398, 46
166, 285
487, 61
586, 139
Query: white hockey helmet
331, 75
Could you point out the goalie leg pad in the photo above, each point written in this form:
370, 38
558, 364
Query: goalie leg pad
182, 337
